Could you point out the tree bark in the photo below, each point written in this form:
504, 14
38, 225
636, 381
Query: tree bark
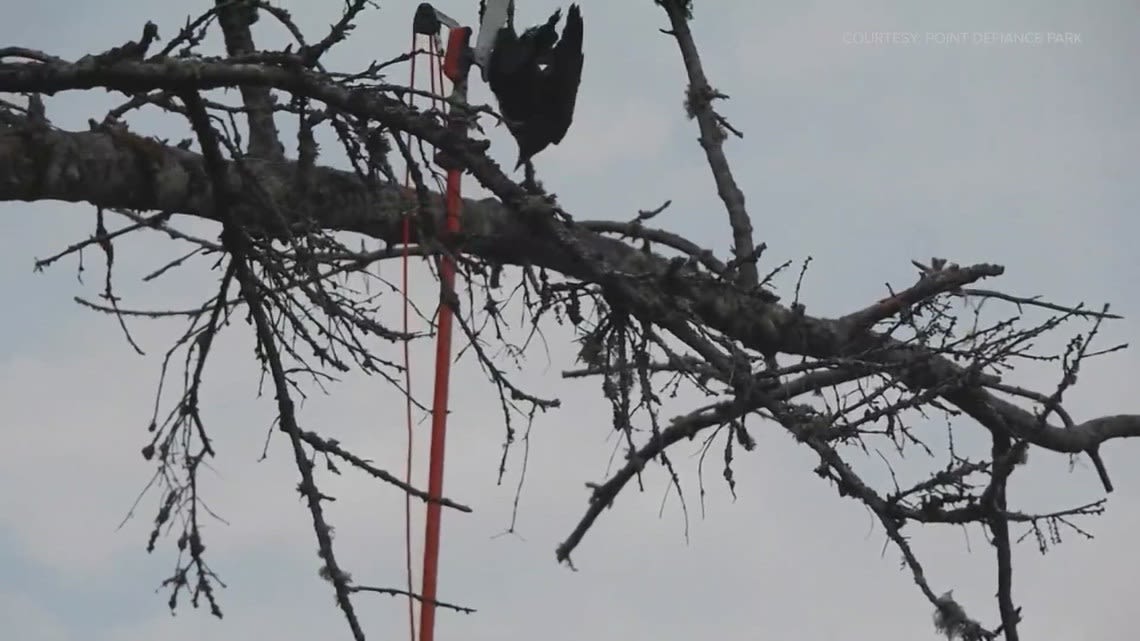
119, 171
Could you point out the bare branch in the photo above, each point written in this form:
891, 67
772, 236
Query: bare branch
698, 104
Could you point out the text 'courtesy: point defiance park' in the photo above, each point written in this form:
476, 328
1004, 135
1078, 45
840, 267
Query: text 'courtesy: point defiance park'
973, 38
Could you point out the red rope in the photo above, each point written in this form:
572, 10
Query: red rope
407, 241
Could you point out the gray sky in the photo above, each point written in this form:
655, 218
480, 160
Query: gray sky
862, 156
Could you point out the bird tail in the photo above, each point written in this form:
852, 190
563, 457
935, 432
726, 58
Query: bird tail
551, 25
542, 37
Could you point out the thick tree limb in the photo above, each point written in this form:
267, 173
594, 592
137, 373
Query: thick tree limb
128, 172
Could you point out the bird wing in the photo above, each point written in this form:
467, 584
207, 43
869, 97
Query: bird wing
512, 78
563, 75
507, 55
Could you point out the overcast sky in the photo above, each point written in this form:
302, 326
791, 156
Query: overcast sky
875, 133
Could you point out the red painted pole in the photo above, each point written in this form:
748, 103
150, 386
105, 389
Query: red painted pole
439, 424
455, 68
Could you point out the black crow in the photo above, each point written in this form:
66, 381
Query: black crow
535, 79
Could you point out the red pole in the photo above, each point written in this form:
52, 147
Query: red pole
455, 69
439, 423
